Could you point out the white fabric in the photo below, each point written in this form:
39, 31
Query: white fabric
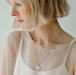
26, 59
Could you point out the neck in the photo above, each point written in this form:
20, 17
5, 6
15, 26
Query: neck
48, 33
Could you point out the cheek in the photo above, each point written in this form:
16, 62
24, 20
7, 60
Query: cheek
22, 11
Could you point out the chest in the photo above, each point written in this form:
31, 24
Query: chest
46, 61
50, 61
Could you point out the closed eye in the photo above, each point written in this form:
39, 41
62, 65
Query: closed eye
18, 4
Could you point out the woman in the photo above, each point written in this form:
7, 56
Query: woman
42, 47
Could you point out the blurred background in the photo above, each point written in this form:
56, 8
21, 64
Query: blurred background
67, 23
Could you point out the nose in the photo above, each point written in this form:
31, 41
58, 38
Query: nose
14, 12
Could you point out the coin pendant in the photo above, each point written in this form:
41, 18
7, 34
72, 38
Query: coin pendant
38, 67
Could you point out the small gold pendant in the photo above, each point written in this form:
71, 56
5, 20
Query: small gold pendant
37, 67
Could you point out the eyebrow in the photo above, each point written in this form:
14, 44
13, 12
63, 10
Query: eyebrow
19, 1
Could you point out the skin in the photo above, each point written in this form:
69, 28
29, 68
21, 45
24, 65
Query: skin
44, 32
18, 11
49, 35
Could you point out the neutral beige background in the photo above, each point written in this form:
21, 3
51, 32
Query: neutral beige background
67, 23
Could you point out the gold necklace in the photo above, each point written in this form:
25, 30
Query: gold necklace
38, 67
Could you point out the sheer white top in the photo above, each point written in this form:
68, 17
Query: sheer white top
26, 59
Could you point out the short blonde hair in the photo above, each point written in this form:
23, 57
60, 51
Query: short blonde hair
39, 12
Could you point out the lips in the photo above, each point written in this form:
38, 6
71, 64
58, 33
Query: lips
20, 20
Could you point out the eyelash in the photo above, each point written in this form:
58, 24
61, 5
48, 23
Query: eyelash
18, 4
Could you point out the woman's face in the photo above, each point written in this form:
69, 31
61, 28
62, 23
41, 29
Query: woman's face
18, 10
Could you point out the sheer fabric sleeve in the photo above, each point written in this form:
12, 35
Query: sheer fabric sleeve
74, 57
9, 54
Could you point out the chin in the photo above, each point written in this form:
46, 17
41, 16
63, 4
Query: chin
21, 24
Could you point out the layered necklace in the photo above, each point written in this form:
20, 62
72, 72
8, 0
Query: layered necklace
50, 51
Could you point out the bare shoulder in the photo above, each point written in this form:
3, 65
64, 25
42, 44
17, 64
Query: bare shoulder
13, 40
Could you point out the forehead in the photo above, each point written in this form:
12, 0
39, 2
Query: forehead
14, 1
